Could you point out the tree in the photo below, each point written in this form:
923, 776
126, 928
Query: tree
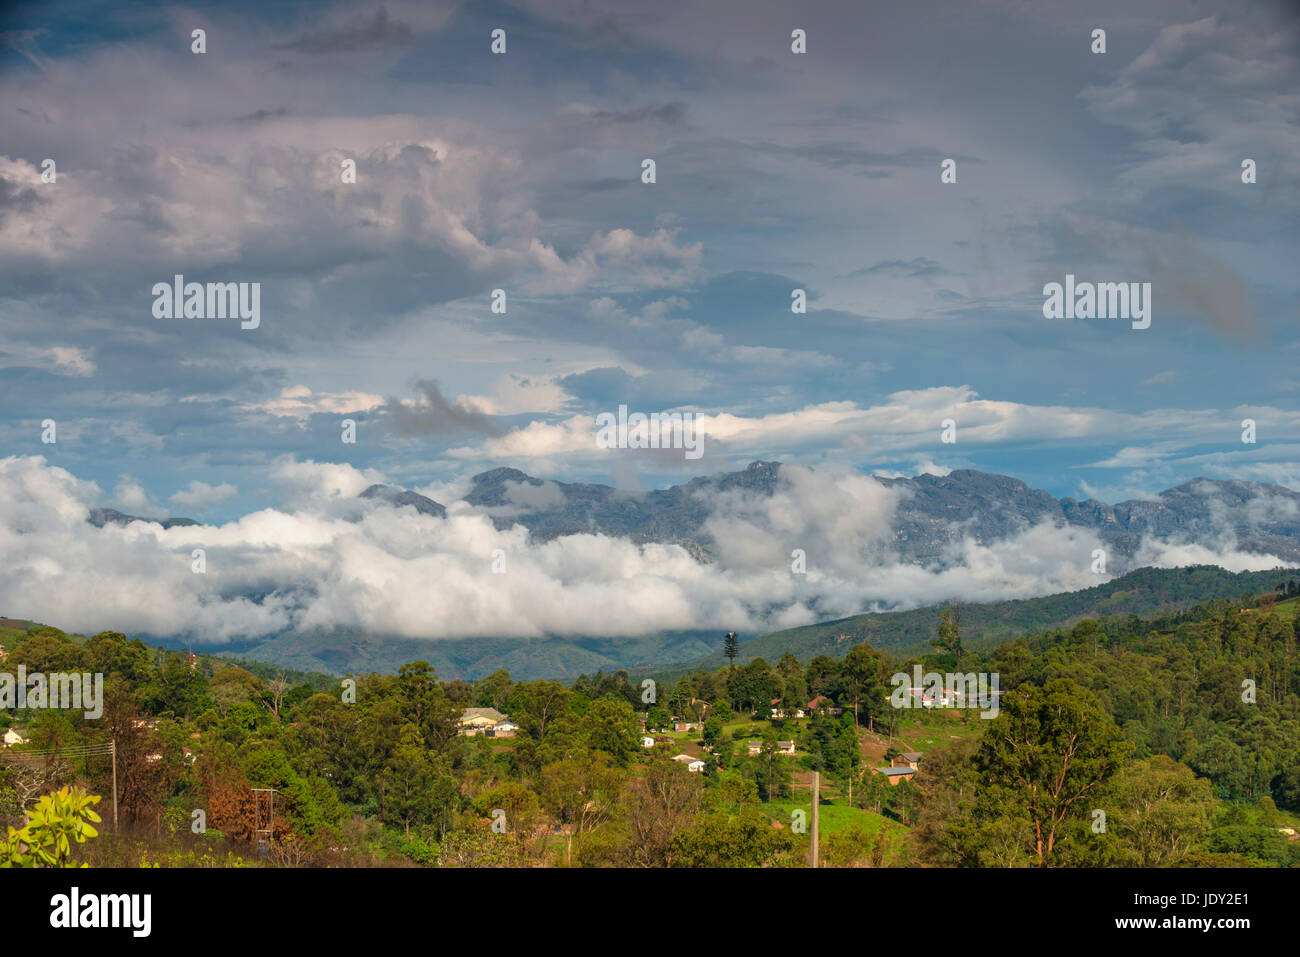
406, 783
610, 726
946, 833
580, 794
844, 756
660, 803
175, 689
712, 731
273, 697
657, 717
1050, 750
1160, 813
949, 640
494, 690
537, 703
230, 804
730, 647
231, 686
862, 674
721, 840
143, 778
771, 771
424, 702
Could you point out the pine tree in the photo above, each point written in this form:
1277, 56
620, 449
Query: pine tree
730, 647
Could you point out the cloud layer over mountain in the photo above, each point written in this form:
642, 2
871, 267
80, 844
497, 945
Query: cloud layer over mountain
333, 560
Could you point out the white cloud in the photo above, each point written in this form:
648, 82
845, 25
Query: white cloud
300, 402
130, 496
316, 484
389, 571
200, 496
908, 423
61, 360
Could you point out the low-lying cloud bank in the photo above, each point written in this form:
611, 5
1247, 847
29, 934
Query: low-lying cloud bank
335, 561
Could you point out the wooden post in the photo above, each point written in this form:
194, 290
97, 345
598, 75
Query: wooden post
114, 785
816, 811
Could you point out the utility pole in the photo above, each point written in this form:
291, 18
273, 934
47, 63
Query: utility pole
816, 804
115, 785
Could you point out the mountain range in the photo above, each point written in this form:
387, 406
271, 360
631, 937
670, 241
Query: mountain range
933, 512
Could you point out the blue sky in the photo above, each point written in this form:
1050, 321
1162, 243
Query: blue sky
775, 171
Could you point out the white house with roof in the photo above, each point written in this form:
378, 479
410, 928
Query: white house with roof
481, 720
692, 763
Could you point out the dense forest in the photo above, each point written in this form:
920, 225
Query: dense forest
1165, 741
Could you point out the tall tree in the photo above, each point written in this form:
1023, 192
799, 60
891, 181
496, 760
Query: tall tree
949, 640
660, 803
730, 647
862, 674
1049, 752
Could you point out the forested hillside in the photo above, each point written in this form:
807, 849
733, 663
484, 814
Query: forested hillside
1182, 732
1144, 592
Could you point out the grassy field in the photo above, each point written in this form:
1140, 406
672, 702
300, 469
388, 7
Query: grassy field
1287, 610
836, 819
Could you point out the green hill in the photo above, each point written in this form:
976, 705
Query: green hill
1146, 592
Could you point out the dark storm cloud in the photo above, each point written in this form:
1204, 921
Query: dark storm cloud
437, 416
1184, 275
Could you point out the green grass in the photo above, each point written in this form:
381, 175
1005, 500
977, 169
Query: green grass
930, 731
838, 818
834, 817
1287, 610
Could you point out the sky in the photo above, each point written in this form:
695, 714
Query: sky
522, 172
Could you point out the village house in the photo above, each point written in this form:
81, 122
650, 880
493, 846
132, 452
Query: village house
693, 764
785, 747
779, 712
475, 721
824, 705
687, 726
506, 729
894, 775
755, 747
908, 759
647, 741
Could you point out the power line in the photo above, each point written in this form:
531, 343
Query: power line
75, 751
